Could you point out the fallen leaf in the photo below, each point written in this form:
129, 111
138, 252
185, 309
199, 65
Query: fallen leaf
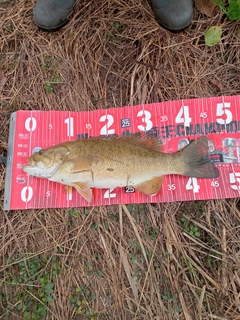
213, 36
206, 6
2, 79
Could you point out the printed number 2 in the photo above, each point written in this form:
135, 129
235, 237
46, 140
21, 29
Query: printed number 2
223, 109
105, 129
146, 118
192, 185
183, 116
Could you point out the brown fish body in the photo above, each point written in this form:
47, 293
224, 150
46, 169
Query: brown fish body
119, 162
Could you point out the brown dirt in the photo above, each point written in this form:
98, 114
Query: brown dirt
120, 262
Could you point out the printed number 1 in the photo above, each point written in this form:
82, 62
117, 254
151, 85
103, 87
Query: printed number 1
70, 129
192, 185
183, 116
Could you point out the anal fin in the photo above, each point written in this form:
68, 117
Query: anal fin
84, 191
150, 187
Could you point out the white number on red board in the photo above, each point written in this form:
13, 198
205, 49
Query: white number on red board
235, 178
30, 124
203, 115
88, 126
108, 194
171, 187
70, 126
192, 185
183, 116
105, 129
164, 118
223, 109
146, 118
26, 194
215, 184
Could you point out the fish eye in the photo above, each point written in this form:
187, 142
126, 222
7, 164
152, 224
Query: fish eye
40, 152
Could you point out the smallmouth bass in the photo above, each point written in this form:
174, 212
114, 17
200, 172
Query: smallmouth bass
119, 162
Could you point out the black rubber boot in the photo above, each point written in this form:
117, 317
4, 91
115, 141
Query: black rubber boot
173, 15
51, 15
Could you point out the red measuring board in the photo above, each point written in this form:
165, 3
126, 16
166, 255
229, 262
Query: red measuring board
174, 122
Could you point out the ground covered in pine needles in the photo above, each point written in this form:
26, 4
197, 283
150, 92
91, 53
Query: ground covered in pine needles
149, 261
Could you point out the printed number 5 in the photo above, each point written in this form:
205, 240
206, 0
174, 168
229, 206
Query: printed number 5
146, 117
235, 177
221, 110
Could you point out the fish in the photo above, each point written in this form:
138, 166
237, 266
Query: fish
130, 161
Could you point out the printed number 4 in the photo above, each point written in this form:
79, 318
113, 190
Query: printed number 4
183, 116
192, 185
108, 194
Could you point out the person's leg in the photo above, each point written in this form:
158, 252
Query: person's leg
51, 15
174, 15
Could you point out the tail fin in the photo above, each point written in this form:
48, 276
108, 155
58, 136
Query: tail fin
198, 165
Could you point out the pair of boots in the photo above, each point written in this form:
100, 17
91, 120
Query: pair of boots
174, 15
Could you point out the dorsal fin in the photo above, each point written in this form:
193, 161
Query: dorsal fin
148, 143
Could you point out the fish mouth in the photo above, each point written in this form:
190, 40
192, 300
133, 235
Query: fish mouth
35, 169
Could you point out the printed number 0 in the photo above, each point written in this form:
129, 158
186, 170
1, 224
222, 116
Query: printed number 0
221, 110
147, 119
30, 124
105, 129
26, 194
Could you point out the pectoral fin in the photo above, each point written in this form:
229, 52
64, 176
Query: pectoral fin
84, 191
150, 187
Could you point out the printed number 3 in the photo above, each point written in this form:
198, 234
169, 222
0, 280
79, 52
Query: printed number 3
146, 118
